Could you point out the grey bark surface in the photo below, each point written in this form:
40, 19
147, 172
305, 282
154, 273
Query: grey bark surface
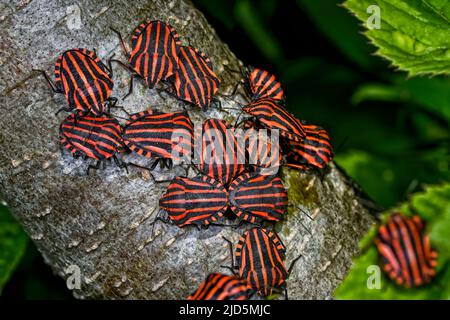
101, 222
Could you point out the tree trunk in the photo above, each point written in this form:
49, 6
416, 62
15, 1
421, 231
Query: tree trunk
101, 222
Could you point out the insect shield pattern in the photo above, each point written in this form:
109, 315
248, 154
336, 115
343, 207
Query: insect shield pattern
255, 197
195, 80
406, 253
159, 135
84, 80
221, 287
221, 155
262, 84
315, 151
235, 166
98, 138
154, 51
197, 201
259, 260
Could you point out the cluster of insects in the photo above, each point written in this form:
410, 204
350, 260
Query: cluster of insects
223, 184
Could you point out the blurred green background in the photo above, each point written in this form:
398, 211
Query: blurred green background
391, 133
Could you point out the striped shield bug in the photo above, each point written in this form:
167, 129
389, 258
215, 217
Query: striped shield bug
315, 151
406, 253
262, 84
269, 114
195, 81
222, 157
255, 197
97, 138
85, 81
259, 260
262, 149
259, 84
219, 286
154, 52
194, 201
164, 136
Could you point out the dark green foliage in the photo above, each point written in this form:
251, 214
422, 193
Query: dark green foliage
13, 242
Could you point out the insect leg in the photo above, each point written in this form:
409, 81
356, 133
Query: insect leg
154, 164
169, 163
121, 165
218, 103
112, 103
238, 117
225, 225
49, 81
158, 218
94, 167
252, 119
292, 265
130, 88
235, 89
129, 69
122, 43
109, 67
123, 65
233, 267
67, 109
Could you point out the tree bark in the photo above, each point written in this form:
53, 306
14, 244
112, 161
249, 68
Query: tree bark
101, 222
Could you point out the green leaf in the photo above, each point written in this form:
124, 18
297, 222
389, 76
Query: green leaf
433, 94
13, 242
433, 206
371, 173
341, 29
413, 34
377, 92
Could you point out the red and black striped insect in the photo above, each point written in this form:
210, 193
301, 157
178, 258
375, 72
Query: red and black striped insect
262, 84
194, 201
269, 114
263, 153
195, 81
259, 84
164, 136
154, 52
98, 138
222, 155
85, 81
315, 151
259, 260
219, 286
255, 197
406, 253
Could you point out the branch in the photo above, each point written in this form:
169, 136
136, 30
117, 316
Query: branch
101, 222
